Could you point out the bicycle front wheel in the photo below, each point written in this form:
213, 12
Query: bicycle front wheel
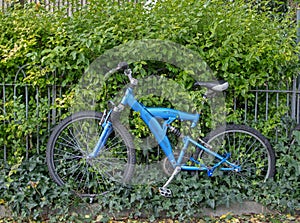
248, 148
73, 140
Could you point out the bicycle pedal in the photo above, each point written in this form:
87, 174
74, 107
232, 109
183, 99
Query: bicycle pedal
165, 192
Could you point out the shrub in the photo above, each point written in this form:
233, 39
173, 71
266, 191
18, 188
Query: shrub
248, 45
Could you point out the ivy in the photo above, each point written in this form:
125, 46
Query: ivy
249, 45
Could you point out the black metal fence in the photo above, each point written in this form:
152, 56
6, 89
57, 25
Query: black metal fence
252, 110
69, 5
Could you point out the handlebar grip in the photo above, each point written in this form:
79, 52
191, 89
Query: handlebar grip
122, 66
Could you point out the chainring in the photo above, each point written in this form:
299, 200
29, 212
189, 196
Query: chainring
167, 166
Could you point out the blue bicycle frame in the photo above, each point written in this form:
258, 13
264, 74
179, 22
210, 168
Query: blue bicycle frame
149, 116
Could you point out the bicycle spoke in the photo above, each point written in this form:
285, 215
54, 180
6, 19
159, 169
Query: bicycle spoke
248, 149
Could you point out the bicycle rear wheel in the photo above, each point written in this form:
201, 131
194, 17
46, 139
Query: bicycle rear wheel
69, 146
247, 147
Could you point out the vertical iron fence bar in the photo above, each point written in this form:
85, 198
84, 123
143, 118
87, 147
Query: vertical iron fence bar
245, 112
84, 2
293, 103
288, 103
256, 105
298, 104
298, 40
60, 96
53, 104
234, 103
68, 7
267, 102
298, 24
72, 7
277, 104
53, 95
49, 105
15, 93
26, 116
46, 2
52, 5
37, 116
4, 113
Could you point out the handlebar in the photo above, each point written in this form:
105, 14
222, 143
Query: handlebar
212, 86
123, 66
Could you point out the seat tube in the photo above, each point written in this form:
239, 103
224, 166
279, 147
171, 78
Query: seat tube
186, 141
154, 126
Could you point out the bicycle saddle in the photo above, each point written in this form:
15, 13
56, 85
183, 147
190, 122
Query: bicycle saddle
218, 86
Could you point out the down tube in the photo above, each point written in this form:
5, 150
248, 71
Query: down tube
154, 126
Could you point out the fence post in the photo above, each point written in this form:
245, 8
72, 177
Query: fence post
294, 87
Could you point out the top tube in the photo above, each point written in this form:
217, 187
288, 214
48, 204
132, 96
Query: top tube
164, 113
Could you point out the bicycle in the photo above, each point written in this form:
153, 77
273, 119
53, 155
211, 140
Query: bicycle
91, 150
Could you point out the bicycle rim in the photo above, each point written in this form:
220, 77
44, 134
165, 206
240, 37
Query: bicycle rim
69, 147
248, 149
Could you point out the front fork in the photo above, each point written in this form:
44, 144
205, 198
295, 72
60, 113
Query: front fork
107, 130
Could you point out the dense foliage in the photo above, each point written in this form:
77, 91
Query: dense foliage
248, 44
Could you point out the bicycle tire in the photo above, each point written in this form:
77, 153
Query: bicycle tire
73, 140
254, 152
